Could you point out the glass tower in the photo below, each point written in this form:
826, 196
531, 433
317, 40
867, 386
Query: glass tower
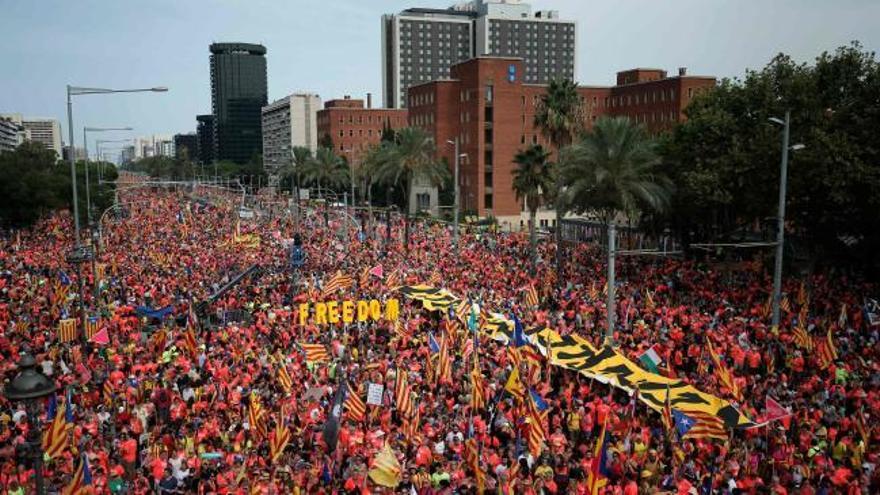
238, 92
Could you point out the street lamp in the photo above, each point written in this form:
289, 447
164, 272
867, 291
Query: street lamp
458, 157
351, 174
79, 253
86, 130
29, 386
780, 217
77, 91
102, 155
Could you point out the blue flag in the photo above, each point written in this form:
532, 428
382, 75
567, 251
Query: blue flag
683, 422
52, 408
326, 477
65, 280
539, 402
87, 473
149, 312
519, 337
432, 343
68, 411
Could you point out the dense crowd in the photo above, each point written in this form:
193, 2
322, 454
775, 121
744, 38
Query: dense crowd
155, 414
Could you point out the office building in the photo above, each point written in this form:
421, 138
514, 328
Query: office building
488, 107
11, 134
41, 130
421, 45
288, 123
155, 145
186, 147
205, 136
238, 93
350, 128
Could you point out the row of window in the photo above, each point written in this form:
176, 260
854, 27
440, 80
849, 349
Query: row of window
323, 120
360, 132
533, 26
421, 99
643, 98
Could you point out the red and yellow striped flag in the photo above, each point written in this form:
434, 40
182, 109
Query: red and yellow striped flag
336, 283
403, 394
393, 280
478, 390
706, 426
826, 351
472, 457
256, 415
315, 353
284, 378
444, 362
355, 406
67, 330
280, 440
531, 296
724, 374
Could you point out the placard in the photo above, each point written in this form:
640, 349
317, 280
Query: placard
374, 394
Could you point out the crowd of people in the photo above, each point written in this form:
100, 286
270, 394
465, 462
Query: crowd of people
167, 404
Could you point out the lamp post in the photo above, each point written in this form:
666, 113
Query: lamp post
351, 175
102, 157
29, 386
86, 130
81, 254
455, 208
780, 216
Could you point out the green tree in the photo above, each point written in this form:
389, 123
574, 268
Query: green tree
31, 184
327, 170
533, 182
615, 169
725, 157
560, 117
409, 159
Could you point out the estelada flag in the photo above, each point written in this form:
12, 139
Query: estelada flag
67, 330
774, 411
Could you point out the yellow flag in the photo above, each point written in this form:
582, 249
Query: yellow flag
386, 469
514, 385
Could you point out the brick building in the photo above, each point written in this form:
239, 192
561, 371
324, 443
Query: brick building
490, 110
353, 127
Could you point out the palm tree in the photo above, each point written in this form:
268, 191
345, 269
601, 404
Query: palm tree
613, 170
299, 159
560, 118
409, 158
533, 181
326, 169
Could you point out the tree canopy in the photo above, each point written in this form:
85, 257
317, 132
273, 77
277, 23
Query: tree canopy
725, 158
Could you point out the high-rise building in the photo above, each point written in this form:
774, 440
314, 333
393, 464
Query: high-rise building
205, 133
238, 93
186, 146
488, 107
80, 153
40, 130
11, 134
155, 145
288, 123
421, 45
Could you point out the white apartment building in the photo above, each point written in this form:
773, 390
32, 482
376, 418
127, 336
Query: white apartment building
11, 134
41, 130
155, 145
287, 123
420, 45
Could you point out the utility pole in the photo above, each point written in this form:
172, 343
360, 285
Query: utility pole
612, 310
780, 222
455, 207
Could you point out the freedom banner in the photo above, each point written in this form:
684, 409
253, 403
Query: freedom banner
606, 365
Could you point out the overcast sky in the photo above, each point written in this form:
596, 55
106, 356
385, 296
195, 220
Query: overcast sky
332, 47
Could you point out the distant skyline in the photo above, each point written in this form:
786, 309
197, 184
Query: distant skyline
333, 48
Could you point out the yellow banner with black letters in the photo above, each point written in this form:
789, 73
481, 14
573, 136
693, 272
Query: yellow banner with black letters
606, 365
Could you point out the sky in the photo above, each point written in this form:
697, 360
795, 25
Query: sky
332, 47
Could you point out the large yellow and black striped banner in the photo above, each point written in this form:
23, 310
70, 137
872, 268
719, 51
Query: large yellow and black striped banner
606, 365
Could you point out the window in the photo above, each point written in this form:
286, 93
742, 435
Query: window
423, 201
487, 200
341, 133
